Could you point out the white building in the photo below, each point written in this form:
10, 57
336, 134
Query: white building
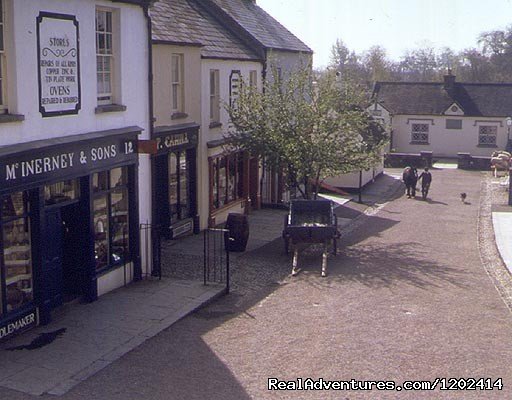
446, 118
74, 104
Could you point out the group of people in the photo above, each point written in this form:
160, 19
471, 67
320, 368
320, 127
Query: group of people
411, 178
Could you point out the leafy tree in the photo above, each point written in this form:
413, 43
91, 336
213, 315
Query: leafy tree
312, 129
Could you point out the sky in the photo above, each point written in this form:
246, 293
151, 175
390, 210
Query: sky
396, 25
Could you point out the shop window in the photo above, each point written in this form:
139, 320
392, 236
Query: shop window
17, 253
179, 186
227, 173
111, 217
3, 66
104, 56
60, 192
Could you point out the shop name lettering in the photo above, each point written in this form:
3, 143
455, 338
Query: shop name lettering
17, 325
171, 141
37, 166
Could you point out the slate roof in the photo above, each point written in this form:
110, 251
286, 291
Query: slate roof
421, 98
183, 22
259, 24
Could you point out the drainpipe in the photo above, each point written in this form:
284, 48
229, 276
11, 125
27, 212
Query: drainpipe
151, 124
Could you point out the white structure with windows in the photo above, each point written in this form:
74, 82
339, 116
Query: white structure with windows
446, 118
74, 97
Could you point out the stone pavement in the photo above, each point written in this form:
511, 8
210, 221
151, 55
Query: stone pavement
101, 332
98, 333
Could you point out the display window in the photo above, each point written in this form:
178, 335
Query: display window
227, 173
17, 253
111, 217
62, 192
179, 186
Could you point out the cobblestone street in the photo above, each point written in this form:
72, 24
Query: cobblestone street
410, 296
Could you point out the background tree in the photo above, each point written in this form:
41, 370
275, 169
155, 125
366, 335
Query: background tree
312, 129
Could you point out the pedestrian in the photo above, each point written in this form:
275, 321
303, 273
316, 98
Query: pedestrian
426, 180
410, 177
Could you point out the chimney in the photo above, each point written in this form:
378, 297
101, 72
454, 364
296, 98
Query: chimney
449, 80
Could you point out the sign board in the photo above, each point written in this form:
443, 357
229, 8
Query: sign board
58, 64
18, 324
65, 161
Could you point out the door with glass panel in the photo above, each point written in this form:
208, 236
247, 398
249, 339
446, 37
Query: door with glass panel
179, 186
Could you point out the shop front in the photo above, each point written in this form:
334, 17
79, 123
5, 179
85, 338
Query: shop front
68, 218
176, 179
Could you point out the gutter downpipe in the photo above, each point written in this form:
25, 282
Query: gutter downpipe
151, 125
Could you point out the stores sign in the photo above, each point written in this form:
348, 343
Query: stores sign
58, 60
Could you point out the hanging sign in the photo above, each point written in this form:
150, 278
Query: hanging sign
58, 64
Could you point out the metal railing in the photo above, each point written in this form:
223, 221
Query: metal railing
216, 256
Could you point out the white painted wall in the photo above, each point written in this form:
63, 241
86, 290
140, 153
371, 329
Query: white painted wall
446, 142
131, 56
206, 134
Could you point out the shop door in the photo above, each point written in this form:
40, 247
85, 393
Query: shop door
52, 258
72, 250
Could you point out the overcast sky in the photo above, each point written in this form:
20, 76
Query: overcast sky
397, 25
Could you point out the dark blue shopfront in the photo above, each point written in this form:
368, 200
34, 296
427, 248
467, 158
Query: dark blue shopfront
68, 215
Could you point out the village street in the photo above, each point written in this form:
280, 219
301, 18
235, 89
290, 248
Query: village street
407, 298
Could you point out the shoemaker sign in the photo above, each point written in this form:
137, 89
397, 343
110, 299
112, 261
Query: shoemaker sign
58, 61
21, 323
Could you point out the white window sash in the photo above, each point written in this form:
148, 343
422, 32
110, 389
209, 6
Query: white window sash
3, 63
214, 96
105, 60
177, 83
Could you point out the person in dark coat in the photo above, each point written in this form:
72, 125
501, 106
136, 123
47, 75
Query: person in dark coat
410, 178
426, 180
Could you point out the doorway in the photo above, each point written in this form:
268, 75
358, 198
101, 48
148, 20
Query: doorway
64, 253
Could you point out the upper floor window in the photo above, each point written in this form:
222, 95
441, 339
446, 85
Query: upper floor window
253, 79
177, 83
104, 56
214, 96
419, 133
3, 102
487, 135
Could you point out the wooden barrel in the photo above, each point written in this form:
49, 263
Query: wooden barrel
238, 226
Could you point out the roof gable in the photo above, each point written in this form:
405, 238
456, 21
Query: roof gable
454, 109
183, 22
257, 23
426, 98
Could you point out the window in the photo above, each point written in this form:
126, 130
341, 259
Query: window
111, 220
17, 252
177, 83
253, 79
419, 133
214, 96
487, 135
179, 199
227, 173
453, 124
104, 56
3, 102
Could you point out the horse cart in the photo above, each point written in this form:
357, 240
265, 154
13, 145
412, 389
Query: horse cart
308, 222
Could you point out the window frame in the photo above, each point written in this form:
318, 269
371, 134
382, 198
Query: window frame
416, 131
178, 83
253, 78
105, 98
214, 95
493, 135
233, 190
107, 192
456, 124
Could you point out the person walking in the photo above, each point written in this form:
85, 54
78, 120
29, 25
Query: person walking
410, 177
426, 180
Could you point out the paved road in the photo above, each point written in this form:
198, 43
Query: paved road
407, 299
